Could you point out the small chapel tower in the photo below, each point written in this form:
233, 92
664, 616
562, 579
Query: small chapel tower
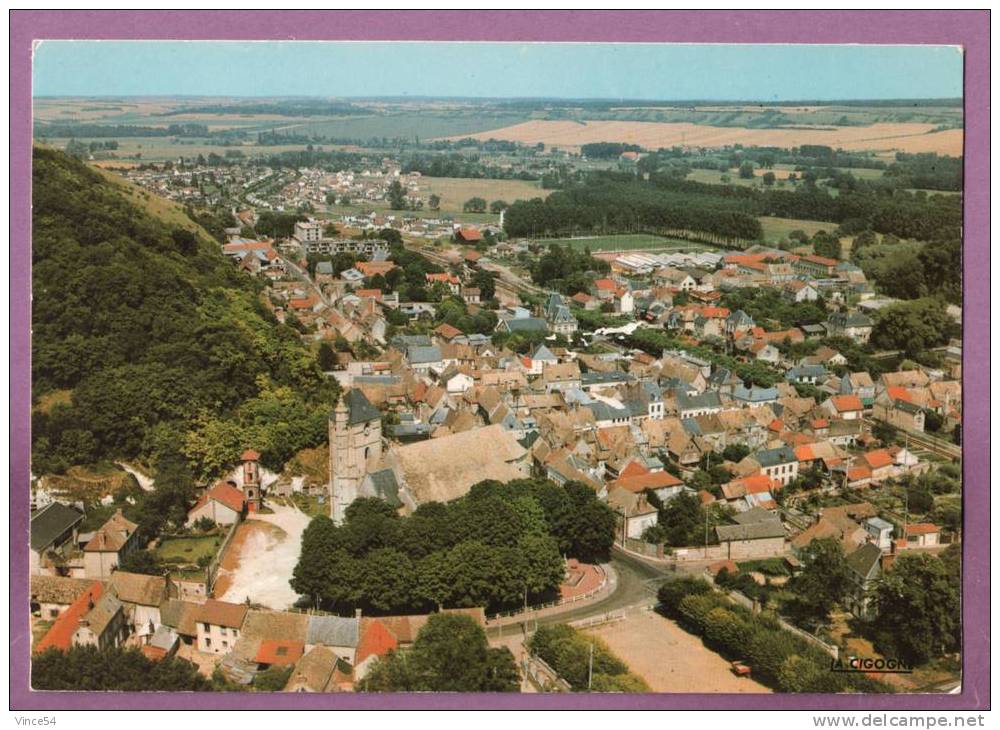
251, 480
355, 448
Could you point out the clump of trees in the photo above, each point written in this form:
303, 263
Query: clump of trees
567, 269
450, 654
499, 546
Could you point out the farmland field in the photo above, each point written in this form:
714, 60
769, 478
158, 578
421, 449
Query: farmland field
454, 191
570, 135
627, 242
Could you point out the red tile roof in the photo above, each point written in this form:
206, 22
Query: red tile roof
900, 393
606, 284
634, 469
847, 403
249, 455
60, 636
821, 260
469, 233
922, 528
878, 459
223, 493
273, 651
377, 640
804, 453
221, 613
859, 472
448, 331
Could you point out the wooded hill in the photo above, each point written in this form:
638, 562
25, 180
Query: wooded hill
167, 352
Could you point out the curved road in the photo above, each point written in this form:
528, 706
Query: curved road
637, 583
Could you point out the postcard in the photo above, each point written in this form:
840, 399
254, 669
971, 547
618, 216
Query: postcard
599, 369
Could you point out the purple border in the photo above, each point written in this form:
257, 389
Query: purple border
969, 29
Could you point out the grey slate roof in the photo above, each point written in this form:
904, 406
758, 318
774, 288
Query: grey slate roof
596, 378
419, 355
359, 407
708, 399
332, 631
386, 486
863, 560
526, 324
50, 522
773, 457
754, 531
754, 394
543, 353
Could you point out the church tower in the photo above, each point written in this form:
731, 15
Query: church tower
355, 448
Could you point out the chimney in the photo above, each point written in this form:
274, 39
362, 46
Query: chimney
357, 614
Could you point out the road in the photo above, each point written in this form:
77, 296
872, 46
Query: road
637, 584
303, 276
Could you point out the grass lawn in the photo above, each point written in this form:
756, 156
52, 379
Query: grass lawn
188, 549
311, 505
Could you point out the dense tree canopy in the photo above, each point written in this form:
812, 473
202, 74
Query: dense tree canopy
163, 345
86, 668
918, 607
498, 546
450, 654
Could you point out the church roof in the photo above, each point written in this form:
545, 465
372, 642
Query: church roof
359, 408
445, 468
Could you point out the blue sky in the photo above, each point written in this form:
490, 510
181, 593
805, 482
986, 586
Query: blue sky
631, 71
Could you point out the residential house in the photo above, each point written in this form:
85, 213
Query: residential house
116, 538
635, 513
223, 504
780, 464
879, 532
847, 407
923, 534
760, 534
864, 570
218, 625
854, 325
895, 406
53, 527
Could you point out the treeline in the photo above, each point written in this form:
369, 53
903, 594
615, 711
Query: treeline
457, 165
166, 350
100, 131
607, 150
609, 204
778, 658
499, 546
867, 206
286, 108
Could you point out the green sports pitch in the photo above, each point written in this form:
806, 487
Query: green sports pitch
627, 242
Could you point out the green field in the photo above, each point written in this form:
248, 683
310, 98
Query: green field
777, 229
628, 242
423, 125
181, 550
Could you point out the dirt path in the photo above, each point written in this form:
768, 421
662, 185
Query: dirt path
260, 561
669, 658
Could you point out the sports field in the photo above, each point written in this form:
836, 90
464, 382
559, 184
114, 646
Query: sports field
628, 242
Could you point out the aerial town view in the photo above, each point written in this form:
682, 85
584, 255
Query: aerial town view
370, 381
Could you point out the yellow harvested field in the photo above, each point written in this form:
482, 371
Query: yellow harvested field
570, 135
